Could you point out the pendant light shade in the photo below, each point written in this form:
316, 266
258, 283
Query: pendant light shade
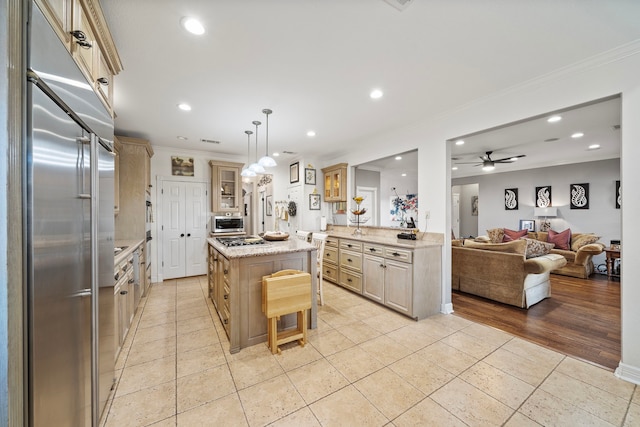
246, 171
267, 161
256, 167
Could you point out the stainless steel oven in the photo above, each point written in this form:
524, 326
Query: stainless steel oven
230, 222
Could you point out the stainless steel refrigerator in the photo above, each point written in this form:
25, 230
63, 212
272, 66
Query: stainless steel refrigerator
69, 224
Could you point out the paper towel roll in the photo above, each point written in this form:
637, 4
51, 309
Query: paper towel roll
323, 223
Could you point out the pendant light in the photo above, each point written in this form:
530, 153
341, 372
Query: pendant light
256, 167
246, 171
267, 161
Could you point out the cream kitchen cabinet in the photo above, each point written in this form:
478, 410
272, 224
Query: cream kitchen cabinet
335, 183
350, 272
116, 176
226, 186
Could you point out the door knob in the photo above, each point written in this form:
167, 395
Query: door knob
182, 235
188, 234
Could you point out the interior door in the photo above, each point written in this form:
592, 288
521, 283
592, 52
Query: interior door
455, 214
184, 226
370, 203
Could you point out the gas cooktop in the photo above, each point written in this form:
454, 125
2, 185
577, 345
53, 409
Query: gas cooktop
241, 241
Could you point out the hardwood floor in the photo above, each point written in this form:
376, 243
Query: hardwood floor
581, 319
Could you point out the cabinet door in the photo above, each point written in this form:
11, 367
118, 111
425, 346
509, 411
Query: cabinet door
116, 180
228, 189
58, 13
373, 272
336, 187
103, 79
327, 187
398, 290
83, 45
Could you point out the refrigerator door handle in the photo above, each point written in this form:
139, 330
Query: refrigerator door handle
82, 141
95, 279
82, 293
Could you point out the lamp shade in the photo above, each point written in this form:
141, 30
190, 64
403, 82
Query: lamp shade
545, 212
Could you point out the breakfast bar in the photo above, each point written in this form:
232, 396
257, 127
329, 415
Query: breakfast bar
236, 267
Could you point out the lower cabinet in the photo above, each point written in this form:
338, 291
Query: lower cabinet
398, 286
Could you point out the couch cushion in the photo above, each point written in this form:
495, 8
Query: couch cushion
514, 247
582, 240
569, 255
496, 235
536, 248
510, 235
562, 239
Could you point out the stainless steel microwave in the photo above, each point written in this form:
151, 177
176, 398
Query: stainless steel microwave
227, 223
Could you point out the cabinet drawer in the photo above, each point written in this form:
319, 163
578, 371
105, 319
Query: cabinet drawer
330, 255
331, 242
398, 254
330, 272
351, 245
351, 280
226, 270
373, 249
352, 260
225, 318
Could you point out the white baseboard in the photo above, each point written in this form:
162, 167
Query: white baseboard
447, 308
628, 373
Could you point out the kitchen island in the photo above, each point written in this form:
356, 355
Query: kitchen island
235, 285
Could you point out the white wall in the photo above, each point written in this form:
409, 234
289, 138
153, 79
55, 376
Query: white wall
468, 222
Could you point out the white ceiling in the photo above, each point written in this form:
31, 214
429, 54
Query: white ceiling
314, 62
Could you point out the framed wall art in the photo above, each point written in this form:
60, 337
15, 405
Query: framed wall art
528, 224
511, 199
294, 172
543, 196
182, 166
579, 196
310, 176
474, 205
314, 202
268, 205
618, 195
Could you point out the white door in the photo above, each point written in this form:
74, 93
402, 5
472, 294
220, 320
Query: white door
455, 214
184, 229
370, 203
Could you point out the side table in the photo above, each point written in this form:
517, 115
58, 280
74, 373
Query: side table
612, 255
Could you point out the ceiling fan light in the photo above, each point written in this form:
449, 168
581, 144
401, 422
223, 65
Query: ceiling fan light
488, 168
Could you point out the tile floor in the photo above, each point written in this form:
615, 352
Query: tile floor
364, 365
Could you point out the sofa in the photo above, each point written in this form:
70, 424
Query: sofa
579, 253
501, 271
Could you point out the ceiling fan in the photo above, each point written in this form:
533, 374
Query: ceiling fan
489, 164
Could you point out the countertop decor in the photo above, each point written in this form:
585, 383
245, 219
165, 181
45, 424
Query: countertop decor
357, 215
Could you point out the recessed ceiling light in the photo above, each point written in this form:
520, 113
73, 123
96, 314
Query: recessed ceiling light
376, 93
455, 168
554, 119
192, 25
184, 106
311, 133
459, 142
577, 135
404, 174
594, 146
398, 157
182, 138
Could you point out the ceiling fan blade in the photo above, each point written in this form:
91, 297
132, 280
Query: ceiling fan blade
508, 159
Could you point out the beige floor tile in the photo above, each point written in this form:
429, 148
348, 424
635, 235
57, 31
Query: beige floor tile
436, 329
427, 413
412, 337
600, 403
498, 384
518, 366
471, 405
302, 417
422, 374
253, 370
203, 387
535, 353
387, 322
447, 357
336, 320
488, 334
270, 400
636, 396
317, 380
141, 353
346, 407
144, 407
294, 356
225, 411
519, 420
194, 324
168, 422
145, 375
201, 310
385, 349
475, 347
197, 339
358, 331
321, 328
330, 342
548, 410
355, 363
154, 333
200, 359
633, 416
389, 392
451, 321
150, 320
597, 377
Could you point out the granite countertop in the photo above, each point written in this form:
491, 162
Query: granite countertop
387, 240
131, 246
268, 248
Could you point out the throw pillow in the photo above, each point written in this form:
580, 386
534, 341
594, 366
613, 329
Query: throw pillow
510, 235
496, 235
482, 239
537, 248
561, 239
582, 240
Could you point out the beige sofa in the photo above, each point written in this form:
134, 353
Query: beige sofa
579, 258
501, 272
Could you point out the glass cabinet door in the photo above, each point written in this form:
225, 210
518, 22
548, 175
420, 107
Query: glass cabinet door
228, 179
327, 186
335, 177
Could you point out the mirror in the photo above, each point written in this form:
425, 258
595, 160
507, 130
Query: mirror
390, 190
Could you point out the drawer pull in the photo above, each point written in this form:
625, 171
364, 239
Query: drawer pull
328, 271
372, 249
349, 280
226, 321
124, 292
349, 245
349, 259
117, 275
395, 254
226, 297
383, 266
103, 81
131, 281
226, 271
84, 44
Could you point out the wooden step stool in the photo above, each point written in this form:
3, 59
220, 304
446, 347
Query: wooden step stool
285, 292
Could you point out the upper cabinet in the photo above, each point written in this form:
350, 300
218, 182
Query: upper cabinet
81, 26
226, 187
335, 183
